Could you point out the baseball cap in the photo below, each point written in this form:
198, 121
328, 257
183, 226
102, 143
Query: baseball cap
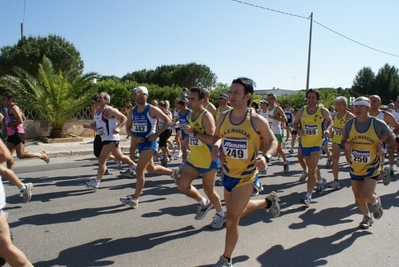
223, 95
141, 89
263, 101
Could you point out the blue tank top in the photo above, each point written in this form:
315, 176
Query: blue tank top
143, 124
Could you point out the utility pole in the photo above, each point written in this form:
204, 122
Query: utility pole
309, 51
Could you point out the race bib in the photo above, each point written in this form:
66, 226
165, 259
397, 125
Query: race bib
193, 141
311, 129
236, 149
140, 126
361, 156
337, 131
101, 131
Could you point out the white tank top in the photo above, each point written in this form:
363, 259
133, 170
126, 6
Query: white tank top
275, 125
105, 127
395, 114
263, 114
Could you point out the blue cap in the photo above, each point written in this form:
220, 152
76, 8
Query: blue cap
223, 95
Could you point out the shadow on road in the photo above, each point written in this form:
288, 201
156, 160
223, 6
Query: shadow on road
94, 253
311, 252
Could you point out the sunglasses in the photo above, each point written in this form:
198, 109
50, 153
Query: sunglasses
140, 94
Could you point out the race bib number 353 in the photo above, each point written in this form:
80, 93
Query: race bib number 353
236, 149
311, 129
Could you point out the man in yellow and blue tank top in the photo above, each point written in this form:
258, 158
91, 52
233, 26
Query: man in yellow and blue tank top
199, 130
237, 133
312, 123
362, 137
340, 117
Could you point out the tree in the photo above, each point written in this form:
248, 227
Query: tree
182, 75
386, 83
28, 54
363, 84
52, 94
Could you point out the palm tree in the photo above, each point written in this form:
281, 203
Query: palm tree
55, 96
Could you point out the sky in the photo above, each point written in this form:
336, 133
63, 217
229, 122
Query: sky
231, 38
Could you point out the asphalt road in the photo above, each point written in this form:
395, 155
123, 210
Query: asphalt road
67, 225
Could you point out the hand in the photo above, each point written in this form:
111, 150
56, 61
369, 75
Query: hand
327, 134
300, 132
116, 130
260, 162
215, 153
188, 130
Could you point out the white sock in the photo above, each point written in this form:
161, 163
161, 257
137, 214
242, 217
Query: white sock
23, 187
309, 195
203, 201
221, 213
133, 167
40, 155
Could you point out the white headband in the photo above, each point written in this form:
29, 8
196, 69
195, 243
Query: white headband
361, 103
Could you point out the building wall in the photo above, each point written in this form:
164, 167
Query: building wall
36, 128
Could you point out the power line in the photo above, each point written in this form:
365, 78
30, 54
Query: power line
318, 23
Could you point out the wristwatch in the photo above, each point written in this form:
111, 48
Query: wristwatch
268, 157
195, 133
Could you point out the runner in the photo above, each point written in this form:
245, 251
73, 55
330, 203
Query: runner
10, 253
164, 136
143, 119
105, 124
16, 133
275, 116
391, 121
288, 111
340, 117
201, 128
362, 137
176, 127
237, 134
315, 122
183, 113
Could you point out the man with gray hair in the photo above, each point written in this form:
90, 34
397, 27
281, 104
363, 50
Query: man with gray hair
339, 119
105, 123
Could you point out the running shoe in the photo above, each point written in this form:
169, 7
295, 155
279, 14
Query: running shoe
223, 262
377, 209
127, 173
118, 163
45, 157
286, 167
291, 151
107, 172
263, 172
164, 161
175, 174
130, 201
386, 179
219, 181
91, 184
275, 207
334, 184
366, 222
320, 187
26, 193
203, 210
303, 176
329, 162
257, 189
218, 221
306, 200
179, 154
